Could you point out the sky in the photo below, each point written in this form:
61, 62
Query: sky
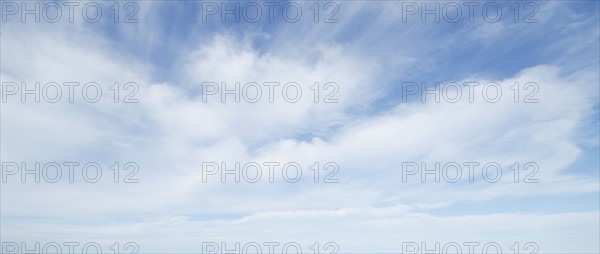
355, 126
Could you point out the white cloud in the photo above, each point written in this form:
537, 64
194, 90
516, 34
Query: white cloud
171, 132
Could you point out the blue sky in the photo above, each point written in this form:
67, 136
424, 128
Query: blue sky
370, 132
